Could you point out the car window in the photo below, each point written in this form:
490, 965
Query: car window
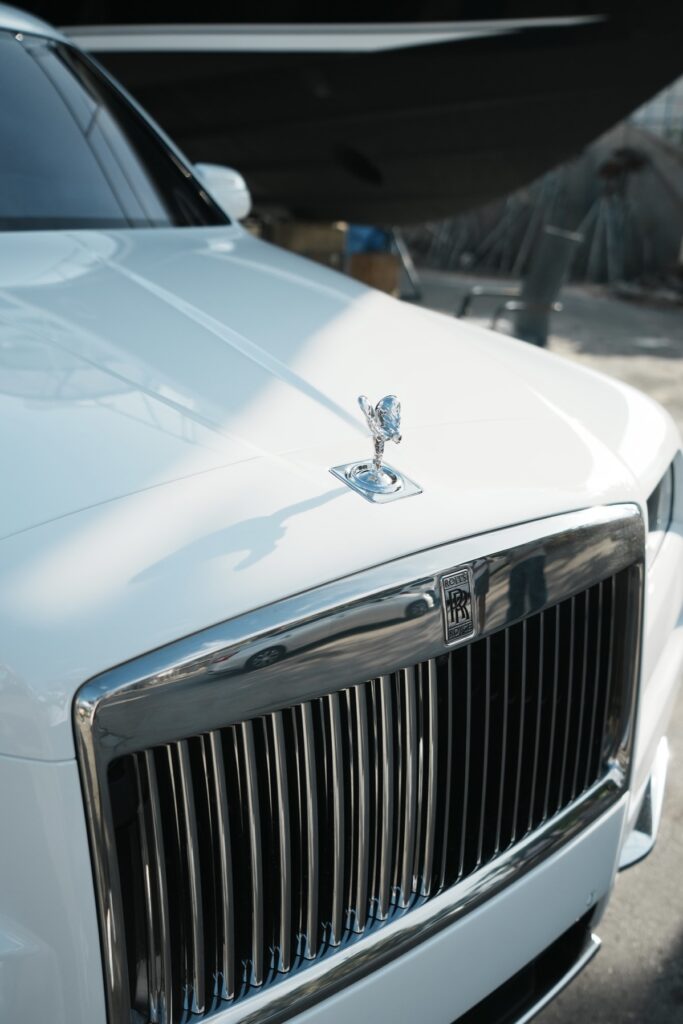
75, 154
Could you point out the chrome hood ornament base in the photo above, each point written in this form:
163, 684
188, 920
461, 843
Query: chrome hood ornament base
375, 479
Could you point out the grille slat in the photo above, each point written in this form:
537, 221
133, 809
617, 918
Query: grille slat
409, 772
430, 744
385, 691
503, 742
338, 835
247, 852
539, 712
156, 898
466, 773
596, 691
567, 701
582, 701
485, 753
553, 713
194, 884
362, 860
284, 926
520, 744
310, 834
250, 791
447, 774
610, 657
225, 961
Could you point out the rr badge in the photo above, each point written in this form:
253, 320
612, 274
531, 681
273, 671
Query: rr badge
457, 590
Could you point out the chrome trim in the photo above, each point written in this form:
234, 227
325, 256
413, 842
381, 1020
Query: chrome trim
387, 815
337, 773
354, 628
485, 753
520, 742
198, 999
226, 965
503, 749
309, 841
251, 793
409, 772
361, 814
468, 756
553, 720
285, 883
598, 650
430, 761
537, 740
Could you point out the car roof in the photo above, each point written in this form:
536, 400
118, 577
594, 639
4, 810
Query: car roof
14, 20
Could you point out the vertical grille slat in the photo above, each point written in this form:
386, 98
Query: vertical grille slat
430, 745
337, 798
311, 937
284, 916
189, 830
447, 773
596, 688
385, 691
539, 713
567, 702
156, 894
610, 659
466, 773
503, 745
255, 880
409, 756
582, 702
251, 850
362, 780
485, 753
225, 958
553, 713
520, 744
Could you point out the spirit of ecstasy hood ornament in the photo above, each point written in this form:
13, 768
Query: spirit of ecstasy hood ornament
376, 480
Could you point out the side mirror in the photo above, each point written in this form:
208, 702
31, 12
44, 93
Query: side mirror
227, 187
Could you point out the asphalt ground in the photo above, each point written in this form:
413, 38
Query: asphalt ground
638, 974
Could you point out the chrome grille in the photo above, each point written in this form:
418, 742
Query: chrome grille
249, 851
266, 831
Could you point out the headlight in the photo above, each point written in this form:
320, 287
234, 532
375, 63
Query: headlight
660, 506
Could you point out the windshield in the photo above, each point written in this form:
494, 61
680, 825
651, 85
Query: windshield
75, 154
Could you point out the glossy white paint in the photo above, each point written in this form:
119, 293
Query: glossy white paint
50, 961
176, 398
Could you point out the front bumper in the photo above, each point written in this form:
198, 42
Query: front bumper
442, 978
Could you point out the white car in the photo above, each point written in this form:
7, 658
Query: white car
413, 815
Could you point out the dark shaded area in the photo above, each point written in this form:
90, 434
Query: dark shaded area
526, 989
400, 135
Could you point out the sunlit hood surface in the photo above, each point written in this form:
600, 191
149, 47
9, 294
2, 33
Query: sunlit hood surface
171, 403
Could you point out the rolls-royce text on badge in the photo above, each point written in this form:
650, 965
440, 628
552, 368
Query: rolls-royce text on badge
457, 590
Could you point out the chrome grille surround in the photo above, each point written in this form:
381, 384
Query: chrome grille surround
336, 636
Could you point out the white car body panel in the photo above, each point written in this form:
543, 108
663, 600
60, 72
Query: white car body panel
205, 421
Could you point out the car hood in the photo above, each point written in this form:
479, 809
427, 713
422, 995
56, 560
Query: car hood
173, 401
